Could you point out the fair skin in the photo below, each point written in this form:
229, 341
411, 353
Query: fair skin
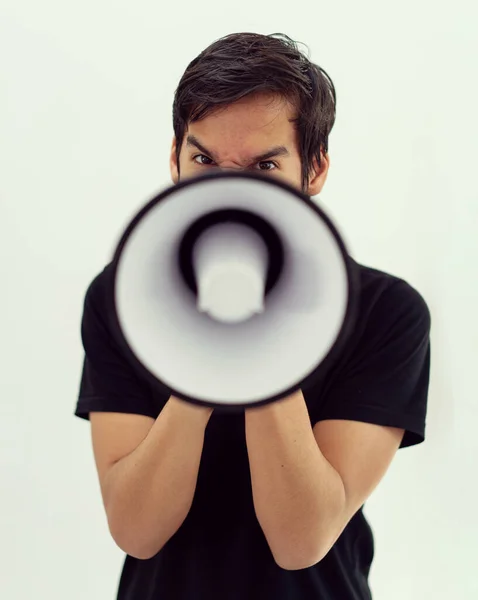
307, 482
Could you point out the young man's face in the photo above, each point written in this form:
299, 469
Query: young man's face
253, 135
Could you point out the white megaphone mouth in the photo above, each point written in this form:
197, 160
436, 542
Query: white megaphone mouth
231, 259
232, 290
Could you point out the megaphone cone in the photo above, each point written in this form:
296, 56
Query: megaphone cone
232, 290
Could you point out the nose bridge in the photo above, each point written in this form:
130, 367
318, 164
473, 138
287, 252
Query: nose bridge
228, 167
232, 168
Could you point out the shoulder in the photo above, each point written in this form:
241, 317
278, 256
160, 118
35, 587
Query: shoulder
98, 285
387, 298
99, 296
392, 317
98, 304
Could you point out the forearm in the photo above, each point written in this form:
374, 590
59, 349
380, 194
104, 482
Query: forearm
148, 493
298, 496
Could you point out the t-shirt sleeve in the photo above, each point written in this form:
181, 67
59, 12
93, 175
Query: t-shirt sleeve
386, 379
108, 381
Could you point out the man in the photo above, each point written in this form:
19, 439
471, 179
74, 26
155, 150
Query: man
266, 503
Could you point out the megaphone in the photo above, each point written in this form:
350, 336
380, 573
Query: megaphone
232, 290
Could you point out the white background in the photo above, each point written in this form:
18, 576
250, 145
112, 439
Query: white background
85, 127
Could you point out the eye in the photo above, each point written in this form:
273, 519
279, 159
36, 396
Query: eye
270, 166
201, 161
266, 165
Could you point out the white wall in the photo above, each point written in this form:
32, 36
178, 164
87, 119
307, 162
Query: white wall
85, 129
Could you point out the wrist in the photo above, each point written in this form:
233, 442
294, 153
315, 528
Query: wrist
190, 410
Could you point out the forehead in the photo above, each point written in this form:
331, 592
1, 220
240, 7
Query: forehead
247, 127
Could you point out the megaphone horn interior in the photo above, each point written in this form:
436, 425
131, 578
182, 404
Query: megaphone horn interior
234, 236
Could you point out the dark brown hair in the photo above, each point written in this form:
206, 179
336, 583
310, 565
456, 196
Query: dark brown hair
241, 64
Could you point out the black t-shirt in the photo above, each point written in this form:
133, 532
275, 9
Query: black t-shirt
220, 551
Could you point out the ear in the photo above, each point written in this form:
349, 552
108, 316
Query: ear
319, 175
173, 163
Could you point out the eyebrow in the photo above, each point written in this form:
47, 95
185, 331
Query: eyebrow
192, 140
